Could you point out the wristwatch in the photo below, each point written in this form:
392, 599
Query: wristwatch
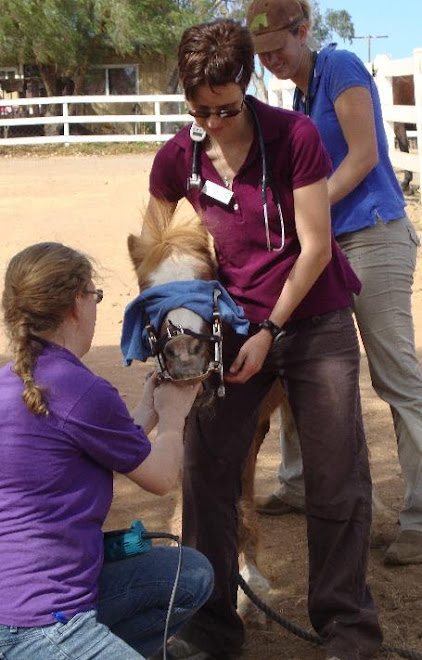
272, 328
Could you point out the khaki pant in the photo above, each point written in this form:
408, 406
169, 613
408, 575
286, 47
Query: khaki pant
384, 258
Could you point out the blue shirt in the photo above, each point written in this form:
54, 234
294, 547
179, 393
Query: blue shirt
379, 194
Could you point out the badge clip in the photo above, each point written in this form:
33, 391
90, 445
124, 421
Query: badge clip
219, 193
197, 133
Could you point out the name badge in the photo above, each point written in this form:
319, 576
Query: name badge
219, 193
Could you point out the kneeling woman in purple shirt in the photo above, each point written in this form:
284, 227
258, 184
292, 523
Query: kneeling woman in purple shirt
258, 180
63, 431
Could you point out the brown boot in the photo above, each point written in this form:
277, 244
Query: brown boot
405, 549
271, 505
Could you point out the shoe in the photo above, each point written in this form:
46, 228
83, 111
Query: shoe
336, 657
271, 505
179, 649
380, 540
406, 549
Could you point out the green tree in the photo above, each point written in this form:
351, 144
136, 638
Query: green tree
323, 30
326, 27
64, 37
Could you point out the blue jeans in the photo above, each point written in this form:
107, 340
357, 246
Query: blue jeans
129, 622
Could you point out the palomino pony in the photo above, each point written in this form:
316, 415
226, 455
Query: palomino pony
178, 250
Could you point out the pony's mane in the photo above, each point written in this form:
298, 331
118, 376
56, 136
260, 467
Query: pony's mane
168, 235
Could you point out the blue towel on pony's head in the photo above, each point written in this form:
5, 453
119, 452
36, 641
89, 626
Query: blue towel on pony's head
153, 304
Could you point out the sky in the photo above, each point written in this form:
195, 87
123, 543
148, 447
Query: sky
400, 20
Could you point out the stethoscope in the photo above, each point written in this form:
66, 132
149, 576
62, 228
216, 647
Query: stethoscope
198, 134
298, 94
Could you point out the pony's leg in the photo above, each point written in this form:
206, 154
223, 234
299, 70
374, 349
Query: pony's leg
249, 537
249, 522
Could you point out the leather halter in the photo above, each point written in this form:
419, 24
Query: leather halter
157, 345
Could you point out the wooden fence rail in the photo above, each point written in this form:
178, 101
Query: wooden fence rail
136, 122
155, 118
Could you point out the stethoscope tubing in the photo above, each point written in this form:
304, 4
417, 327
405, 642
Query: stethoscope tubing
266, 180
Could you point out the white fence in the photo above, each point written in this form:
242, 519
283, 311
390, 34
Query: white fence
384, 69
152, 118
136, 125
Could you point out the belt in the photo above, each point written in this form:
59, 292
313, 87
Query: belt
295, 326
300, 324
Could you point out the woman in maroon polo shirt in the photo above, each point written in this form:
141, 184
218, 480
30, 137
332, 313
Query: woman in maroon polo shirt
278, 260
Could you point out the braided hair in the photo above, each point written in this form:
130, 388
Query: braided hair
41, 285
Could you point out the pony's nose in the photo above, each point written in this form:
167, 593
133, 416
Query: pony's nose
186, 357
183, 348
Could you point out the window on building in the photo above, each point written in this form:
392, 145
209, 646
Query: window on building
113, 79
8, 74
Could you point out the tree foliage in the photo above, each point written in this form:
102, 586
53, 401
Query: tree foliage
64, 37
325, 27
331, 24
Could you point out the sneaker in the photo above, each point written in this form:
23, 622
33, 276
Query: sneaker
336, 657
271, 505
183, 650
380, 539
179, 649
406, 549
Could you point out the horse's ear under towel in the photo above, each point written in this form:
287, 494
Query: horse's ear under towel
152, 305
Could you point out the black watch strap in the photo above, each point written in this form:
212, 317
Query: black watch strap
272, 328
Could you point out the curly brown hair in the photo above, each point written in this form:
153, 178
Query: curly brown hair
214, 54
40, 288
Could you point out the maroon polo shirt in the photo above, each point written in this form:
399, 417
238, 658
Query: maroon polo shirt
254, 276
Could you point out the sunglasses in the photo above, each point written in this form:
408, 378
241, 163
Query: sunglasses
98, 293
222, 114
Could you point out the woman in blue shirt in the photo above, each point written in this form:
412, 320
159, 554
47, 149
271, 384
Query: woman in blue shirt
370, 224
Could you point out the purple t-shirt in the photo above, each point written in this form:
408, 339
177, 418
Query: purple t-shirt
56, 487
254, 276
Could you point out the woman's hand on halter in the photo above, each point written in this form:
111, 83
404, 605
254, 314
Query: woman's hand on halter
159, 471
250, 358
173, 402
164, 400
145, 414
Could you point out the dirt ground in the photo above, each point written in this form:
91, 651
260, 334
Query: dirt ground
93, 203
